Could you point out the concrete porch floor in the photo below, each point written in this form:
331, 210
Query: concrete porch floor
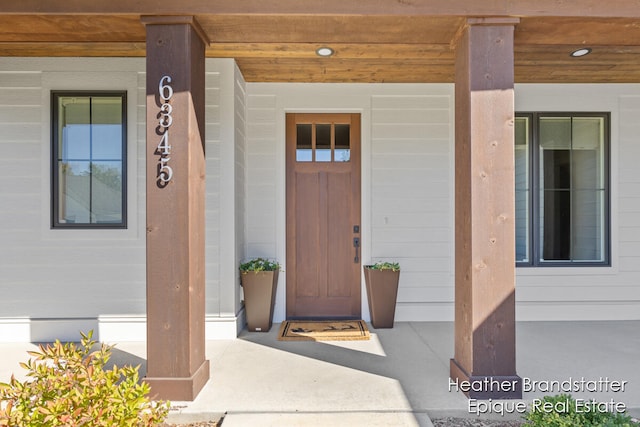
400, 377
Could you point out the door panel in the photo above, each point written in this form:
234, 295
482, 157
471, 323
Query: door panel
308, 230
323, 206
340, 231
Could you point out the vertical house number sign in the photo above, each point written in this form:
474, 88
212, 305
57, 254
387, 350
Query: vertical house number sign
165, 91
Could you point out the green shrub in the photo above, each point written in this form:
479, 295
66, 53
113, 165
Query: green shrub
561, 411
259, 264
393, 266
68, 386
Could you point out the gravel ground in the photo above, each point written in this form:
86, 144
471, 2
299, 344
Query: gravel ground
440, 422
437, 422
474, 422
202, 424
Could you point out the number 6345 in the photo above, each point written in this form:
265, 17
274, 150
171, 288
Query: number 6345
165, 91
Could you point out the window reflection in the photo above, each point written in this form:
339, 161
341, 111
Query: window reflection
323, 142
304, 147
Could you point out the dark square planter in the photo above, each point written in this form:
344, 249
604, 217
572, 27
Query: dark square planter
259, 298
382, 292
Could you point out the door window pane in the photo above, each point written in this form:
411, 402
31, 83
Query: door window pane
343, 143
89, 151
323, 143
304, 147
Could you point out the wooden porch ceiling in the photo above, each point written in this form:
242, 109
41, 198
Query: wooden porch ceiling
387, 45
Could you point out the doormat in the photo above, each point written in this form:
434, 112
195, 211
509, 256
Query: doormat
325, 330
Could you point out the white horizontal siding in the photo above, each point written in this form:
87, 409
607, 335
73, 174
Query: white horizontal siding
262, 176
91, 274
73, 274
407, 147
595, 292
411, 194
408, 191
212, 189
406, 158
628, 220
241, 165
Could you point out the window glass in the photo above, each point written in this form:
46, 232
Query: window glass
89, 172
343, 143
74, 193
522, 196
588, 226
555, 133
106, 192
572, 194
75, 128
323, 143
304, 147
106, 128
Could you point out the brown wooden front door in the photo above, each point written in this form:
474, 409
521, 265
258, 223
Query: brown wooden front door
323, 216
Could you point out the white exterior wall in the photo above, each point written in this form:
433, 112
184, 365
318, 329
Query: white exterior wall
412, 197
56, 282
225, 152
408, 184
240, 194
84, 279
407, 180
593, 293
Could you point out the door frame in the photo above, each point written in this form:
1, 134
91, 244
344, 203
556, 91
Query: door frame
358, 198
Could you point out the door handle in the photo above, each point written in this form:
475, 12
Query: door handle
356, 244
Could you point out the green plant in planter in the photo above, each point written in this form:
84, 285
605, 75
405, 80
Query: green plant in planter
259, 264
259, 281
393, 266
68, 386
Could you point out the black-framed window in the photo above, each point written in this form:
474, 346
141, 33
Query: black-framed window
562, 189
89, 159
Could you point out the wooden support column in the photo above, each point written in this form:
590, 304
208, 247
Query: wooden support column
484, 363
176, 364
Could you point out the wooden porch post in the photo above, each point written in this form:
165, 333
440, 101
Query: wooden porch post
484, 363
176, 365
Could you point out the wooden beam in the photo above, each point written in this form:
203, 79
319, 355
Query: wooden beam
485, 212
372, 63
176, 364
71, 28
330, 28
82, 49
595, 8
354, 71
361, 51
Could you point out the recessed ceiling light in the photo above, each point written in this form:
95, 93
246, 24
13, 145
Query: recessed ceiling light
581, 52
324, 51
